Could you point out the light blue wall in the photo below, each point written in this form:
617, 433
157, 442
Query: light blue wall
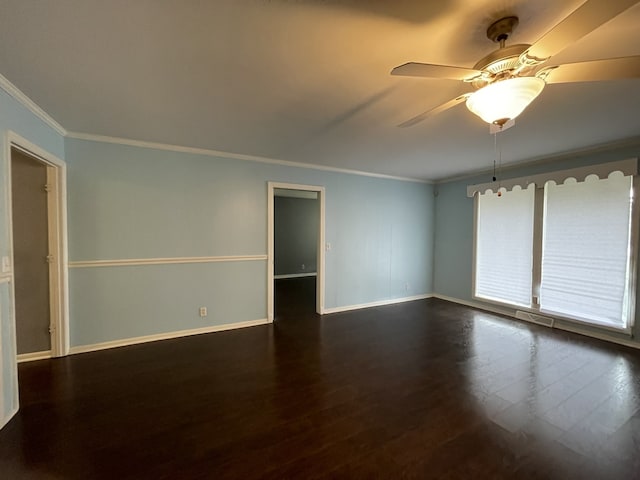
453, 252
132, 202
119, 302
13, 116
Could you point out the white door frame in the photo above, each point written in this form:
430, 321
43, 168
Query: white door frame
270, 244
57, 215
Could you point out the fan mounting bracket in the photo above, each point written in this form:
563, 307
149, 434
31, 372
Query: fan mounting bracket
500, 30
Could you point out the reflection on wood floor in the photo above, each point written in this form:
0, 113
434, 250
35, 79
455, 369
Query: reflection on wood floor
426, 389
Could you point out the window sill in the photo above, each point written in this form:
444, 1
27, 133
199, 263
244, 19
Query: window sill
556, 317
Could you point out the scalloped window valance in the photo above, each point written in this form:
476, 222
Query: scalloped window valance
581, 174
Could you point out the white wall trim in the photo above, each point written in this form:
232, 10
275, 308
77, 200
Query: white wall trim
234, 156
30, 357
379, 303
164, 261
295, 275
557, 324
30, 105
5, 420
580, 174
165, 336
479, 305
5, 279
632, 142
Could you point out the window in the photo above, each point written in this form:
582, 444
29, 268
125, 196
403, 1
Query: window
585, 249
560, 246
504, 246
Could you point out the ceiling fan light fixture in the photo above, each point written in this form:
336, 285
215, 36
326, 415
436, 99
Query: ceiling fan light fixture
504, 100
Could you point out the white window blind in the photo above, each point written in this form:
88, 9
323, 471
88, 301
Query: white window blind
504, 245
585, 251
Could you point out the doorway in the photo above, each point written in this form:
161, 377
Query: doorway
295, 211
38, 251
30, 253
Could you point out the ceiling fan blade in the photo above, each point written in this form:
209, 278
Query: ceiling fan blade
593, 71
586, 18
413, 69
434, 111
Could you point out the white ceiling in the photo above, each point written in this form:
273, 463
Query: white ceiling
307, 80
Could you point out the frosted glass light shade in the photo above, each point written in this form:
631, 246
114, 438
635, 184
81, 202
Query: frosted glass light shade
504, 100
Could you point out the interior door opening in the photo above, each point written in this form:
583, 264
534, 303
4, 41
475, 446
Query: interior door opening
30, 254
296, 224
296, 250
38, 243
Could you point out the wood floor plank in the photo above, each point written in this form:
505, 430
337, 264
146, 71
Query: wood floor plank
426, 389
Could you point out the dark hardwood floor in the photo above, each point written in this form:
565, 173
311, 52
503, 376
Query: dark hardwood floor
426, 389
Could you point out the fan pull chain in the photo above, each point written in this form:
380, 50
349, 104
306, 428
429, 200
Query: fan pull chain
495, 154
500, 170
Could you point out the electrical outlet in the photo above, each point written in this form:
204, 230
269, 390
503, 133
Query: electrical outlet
328, 247
203, 311
302, 267
406, 286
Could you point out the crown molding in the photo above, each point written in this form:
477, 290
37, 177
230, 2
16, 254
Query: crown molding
628, 167
234, 156
544, 159
30, 105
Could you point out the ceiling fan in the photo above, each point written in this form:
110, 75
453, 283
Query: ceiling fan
507, 80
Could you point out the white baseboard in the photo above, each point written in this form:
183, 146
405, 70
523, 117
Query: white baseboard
479, 305
30, 357
380, 303
164, 336
295, 275
5, 420
557, 325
